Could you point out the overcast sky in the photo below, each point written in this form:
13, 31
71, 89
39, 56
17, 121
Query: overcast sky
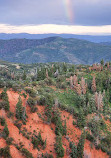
20, 14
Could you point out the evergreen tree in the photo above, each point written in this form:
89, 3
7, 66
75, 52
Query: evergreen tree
80, 146
24, 76
65, 129
64, 67
4, 97
58, 147
5, 130
73, 153
19, 108
102, 62
81, 121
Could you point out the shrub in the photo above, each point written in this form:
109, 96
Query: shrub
31, 92
17, 124
46, 155
31, 102
89, 137
15, 87
4, 104
10, 114
42, 100
26, 153
2, 121
74, 123
34, 109
38, 142
5, 152
9, 141
49, 81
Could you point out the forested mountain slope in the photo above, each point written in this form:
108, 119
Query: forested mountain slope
53, 49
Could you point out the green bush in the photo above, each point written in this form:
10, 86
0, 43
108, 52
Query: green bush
5, 152
37, 141
31, 92
31, 102
17, 124
26, 153
2, 121
42, 100
49, 81
33, 109
89, 137
10, 114
46, 155
9, 141
4, 104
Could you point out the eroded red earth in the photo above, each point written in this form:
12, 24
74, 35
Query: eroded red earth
34, 122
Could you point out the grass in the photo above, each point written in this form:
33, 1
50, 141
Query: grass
67, 97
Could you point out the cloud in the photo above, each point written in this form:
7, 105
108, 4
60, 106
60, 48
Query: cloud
59, 29
85, 12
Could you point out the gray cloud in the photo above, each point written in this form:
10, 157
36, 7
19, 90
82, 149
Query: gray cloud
86, 12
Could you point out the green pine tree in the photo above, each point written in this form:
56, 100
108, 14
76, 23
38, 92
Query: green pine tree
80, 146
4, 97
19, 109
73, 153
81, 121
65, 129
6, 131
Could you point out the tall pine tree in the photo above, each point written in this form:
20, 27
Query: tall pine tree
80, 146
19, 109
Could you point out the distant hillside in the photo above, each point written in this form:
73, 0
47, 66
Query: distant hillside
53, 49
106, 43
96, 39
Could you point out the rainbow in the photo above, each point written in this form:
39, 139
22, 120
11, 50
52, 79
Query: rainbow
68, 9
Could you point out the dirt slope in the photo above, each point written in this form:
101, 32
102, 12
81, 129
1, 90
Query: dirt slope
34, 122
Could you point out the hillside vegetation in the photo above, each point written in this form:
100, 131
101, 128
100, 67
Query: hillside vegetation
53, 49
55, 110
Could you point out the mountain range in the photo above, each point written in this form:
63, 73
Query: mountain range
91, 38
53, 49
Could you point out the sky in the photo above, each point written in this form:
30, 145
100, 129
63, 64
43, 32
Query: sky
56, 16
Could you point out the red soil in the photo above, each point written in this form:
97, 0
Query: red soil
74, 135
93, 153
2, 143
15, 153
34, 122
